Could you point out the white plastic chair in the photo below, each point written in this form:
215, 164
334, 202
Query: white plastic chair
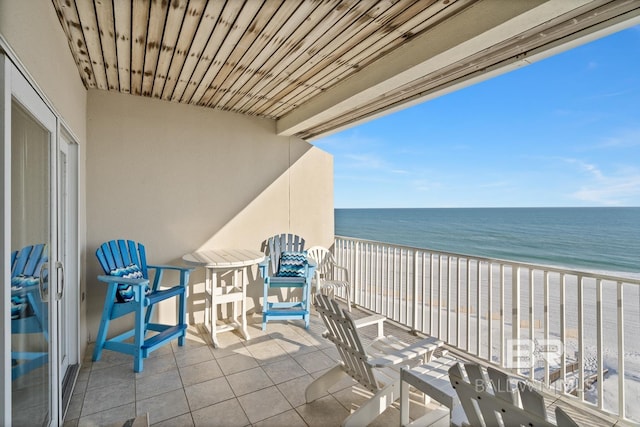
326, 279
375, 367
494, 399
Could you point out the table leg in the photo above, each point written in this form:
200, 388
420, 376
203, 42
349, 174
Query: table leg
235, 314
243, 304
213, 277
207, 298
404, 402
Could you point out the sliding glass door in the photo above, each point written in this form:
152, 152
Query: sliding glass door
33, 132
39, 245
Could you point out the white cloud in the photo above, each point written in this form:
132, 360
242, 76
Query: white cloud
587, 167
623, 139
621, 188
613, 192
364, 161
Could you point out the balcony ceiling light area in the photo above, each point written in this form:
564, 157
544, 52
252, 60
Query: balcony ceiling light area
319, 66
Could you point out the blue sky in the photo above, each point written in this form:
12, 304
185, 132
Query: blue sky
564, 131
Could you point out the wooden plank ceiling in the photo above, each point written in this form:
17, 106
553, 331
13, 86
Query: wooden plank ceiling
310, 64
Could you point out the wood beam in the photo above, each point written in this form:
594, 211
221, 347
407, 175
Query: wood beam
478, 27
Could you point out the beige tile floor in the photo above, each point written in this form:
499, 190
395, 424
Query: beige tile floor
258, 382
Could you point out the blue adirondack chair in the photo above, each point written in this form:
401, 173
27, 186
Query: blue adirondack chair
286, 266
28, 313
127, 274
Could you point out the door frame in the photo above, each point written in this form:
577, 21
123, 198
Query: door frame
71, 290
9, 63
17, 87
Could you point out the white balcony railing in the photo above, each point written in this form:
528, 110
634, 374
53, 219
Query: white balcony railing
579, 332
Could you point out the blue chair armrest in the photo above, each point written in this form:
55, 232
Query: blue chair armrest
25, 290
310, 269
170, 267
160, 269
123, 280
264, 267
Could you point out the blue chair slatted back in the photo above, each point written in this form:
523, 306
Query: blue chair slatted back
28, 261
122, 253
28, 312
281, 243
14, 255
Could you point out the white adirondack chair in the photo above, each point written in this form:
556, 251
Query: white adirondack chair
326, 278
492, 399
376, 368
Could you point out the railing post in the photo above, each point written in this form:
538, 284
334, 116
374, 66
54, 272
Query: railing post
503, 346
546, 324
448, 310
468, 331
414, 327
563, 327
515, 311
581, 338
599, 345
531, 320
489, 311
356, 268
458, 280
439, 298
621, 373
478, 307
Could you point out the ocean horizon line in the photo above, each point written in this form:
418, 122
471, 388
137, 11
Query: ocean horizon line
597, 239
497, 207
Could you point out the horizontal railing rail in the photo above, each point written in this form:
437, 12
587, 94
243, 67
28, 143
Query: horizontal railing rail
577, 331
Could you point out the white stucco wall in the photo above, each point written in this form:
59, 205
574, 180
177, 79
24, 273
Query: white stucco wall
180, 178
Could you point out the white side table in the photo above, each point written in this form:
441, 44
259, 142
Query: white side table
432, 379
221, 260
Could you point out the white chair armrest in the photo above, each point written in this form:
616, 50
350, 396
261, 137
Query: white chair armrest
372, 320
421, 348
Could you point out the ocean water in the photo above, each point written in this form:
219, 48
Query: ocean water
602, 239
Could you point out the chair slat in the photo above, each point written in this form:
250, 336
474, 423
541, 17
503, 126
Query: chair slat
14, 255
142, 262
20, 261
532, 401
124, 253
485, 408
465, 394
502, 385
564, 420
132, 251
115, 253
36, 259
105, 258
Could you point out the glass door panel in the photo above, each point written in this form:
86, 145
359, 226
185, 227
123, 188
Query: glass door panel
31, 146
